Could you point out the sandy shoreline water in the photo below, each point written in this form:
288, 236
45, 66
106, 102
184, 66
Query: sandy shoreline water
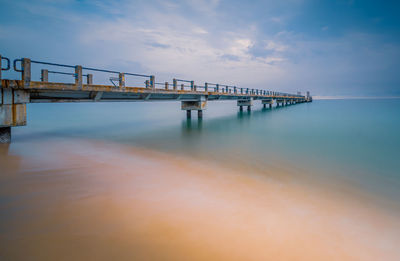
80, 200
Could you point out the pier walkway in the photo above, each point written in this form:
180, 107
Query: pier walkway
15, 94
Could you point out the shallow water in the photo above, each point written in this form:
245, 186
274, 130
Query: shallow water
139, 181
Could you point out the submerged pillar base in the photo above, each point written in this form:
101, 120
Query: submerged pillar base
5, 135
188, 114
200, 114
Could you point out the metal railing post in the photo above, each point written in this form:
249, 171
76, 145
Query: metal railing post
182, 86
78, 76
206, 87
192, 85
89, 79
166, 85
152, 81
175, 84
121, 77
44, 75
26, 71
217, 87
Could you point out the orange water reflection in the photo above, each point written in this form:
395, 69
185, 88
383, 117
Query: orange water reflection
94, 201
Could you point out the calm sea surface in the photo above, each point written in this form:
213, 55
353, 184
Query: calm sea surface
355, 141
139, 181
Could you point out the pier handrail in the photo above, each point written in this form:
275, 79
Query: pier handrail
8, 63
150, 83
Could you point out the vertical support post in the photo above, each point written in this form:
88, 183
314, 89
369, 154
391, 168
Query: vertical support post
264, 105
78, 76
0, 69
166, 85
217, 87
175, 84
182, 86
249, 108
199, 114
89, 79
270, 105
192, 85
147, 82
234, 90
206, 87
26, 71
121, 77
5, 135
152, 82
241, 90
188, 114
44, 75
227, 89
240, 108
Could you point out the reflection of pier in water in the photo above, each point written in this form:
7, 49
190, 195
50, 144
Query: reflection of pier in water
15, 94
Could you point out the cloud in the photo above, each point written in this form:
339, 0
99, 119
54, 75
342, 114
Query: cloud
203, 40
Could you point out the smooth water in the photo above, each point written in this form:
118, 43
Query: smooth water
139, 181
353, 141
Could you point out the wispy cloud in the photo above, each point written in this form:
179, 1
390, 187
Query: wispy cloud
206, 40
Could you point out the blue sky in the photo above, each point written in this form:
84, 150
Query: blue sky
343, 47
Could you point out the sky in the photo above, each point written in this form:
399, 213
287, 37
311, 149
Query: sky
331, 48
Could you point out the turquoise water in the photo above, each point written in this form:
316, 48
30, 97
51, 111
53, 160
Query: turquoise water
351, 141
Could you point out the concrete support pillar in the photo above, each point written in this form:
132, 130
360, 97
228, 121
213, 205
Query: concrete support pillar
240, 108
188, 114
270, 105
264, 106
12, 111
245, 102
196, 105
89, 79
78, 76
5, 135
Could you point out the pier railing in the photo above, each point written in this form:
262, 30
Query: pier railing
118, 79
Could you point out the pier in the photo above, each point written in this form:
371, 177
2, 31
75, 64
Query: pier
15, 94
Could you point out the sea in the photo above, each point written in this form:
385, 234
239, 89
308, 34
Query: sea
140, 181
